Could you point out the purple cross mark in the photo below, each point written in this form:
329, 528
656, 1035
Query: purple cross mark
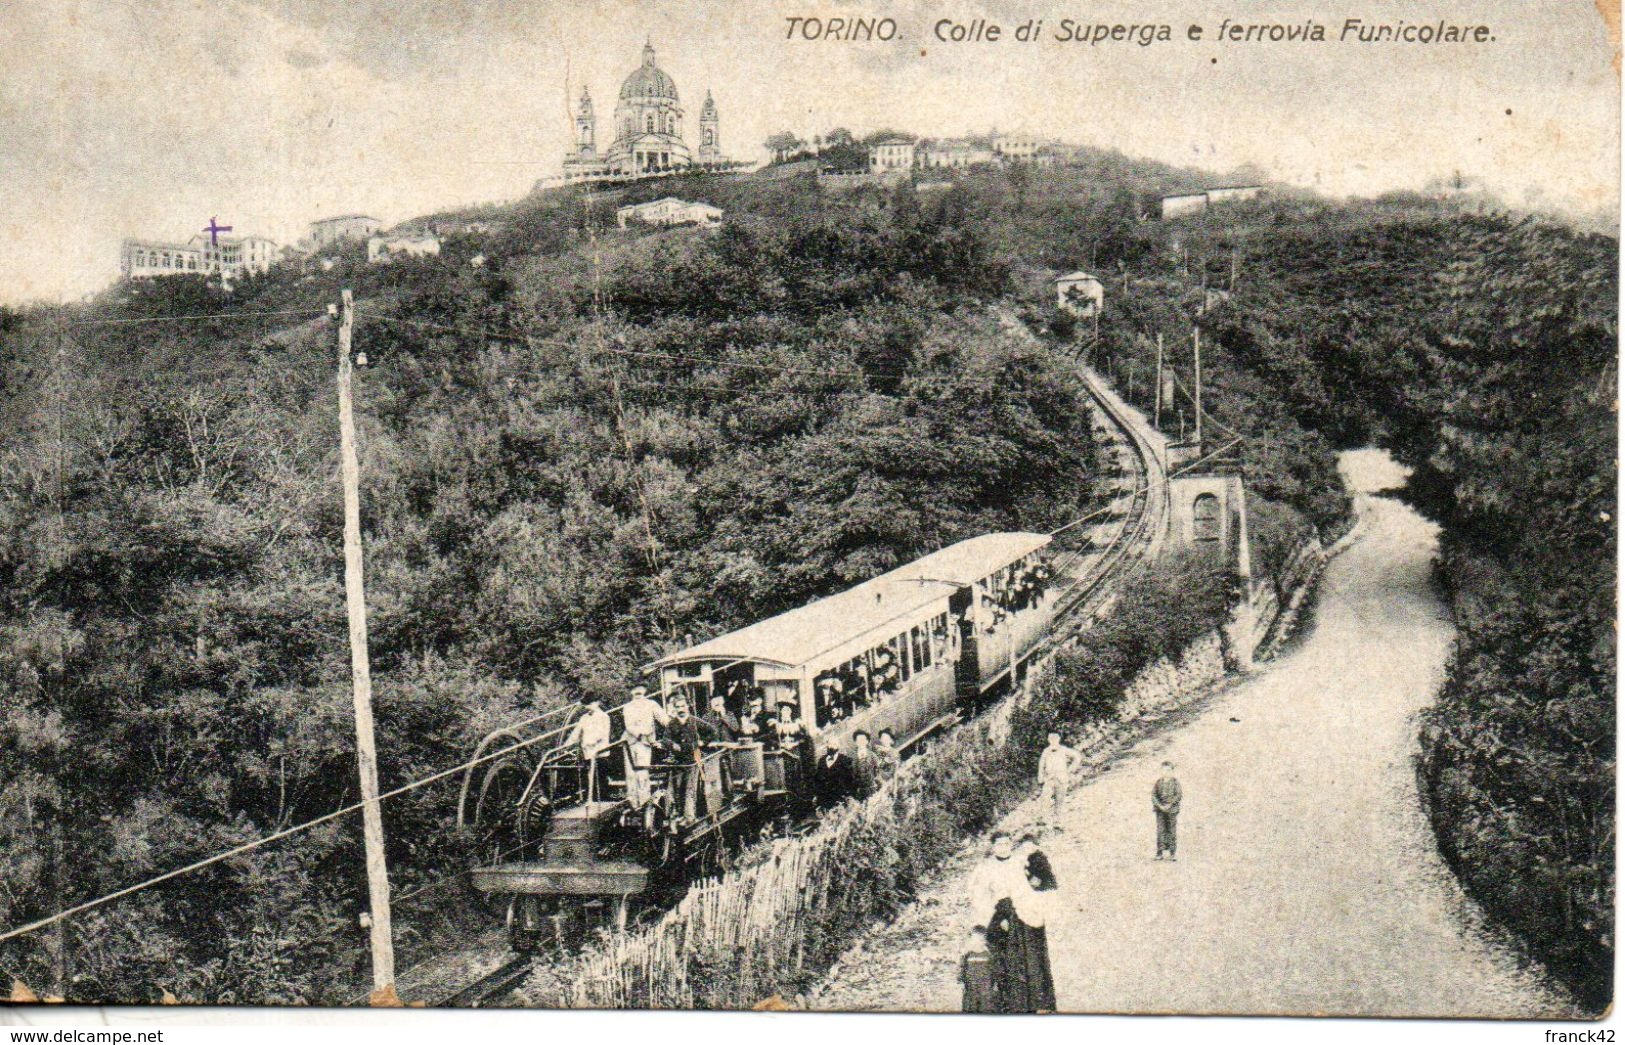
214, 230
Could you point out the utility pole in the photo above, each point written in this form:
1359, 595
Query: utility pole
1156, 411
1196, 342
61, 943
355, 601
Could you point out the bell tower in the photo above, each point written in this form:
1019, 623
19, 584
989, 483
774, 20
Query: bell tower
586, 144
710, 134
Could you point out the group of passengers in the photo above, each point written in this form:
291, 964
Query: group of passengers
839, 776
773, 728
844, 691
675, 736
1026, 588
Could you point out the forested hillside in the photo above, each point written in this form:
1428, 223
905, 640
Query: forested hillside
574, 454
1481, 350
595, 442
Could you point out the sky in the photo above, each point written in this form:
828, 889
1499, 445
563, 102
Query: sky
147, 118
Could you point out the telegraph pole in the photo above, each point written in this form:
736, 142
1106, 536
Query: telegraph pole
1156, 411
1196, 342
355, 601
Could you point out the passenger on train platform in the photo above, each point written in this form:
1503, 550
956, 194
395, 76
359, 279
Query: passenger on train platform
590, 736
761, 719
639, 718
886, 751
684, 738
865, 765
723, 721
788, 728
739, 694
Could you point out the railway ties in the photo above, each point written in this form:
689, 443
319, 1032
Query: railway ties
493, 986
1098, 576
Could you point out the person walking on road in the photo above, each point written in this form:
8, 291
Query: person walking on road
1055, 768
1165, 798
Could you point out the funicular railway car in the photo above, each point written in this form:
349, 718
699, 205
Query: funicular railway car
904, 651
908, 651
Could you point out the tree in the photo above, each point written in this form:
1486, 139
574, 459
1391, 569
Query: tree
783, 145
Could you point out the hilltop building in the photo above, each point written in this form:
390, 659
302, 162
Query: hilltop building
648, 129
669, 211
891, 157
228, 258
1017, 147
1181, 204
346, 228
952, 152
410, 243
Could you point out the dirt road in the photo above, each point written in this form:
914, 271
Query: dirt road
1307, 879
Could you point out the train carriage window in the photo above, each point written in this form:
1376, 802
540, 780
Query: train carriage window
941, 638
832, 700
1205, 518
884, 670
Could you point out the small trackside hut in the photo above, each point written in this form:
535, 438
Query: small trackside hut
909, 651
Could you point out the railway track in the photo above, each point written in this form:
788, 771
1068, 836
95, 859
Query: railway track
493, 985
1082, 600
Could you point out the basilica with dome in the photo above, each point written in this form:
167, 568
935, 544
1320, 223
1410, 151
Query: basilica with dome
648, 129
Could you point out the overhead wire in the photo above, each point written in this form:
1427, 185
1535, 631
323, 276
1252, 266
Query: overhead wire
250, 846
195, 318
1206, 415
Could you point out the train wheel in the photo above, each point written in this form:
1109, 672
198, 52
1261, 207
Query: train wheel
498, 822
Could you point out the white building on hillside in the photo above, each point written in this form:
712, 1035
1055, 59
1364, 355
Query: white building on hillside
1018, 147
950, 152
408, 244
228, 257
669, 211
1183, 203
891, 157
346, 228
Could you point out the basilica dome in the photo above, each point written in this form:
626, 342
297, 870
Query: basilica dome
649, 80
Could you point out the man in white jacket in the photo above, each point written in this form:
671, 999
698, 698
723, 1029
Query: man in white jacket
1055, 768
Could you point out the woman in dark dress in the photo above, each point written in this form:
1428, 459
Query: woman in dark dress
1008, 967
1029, 984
